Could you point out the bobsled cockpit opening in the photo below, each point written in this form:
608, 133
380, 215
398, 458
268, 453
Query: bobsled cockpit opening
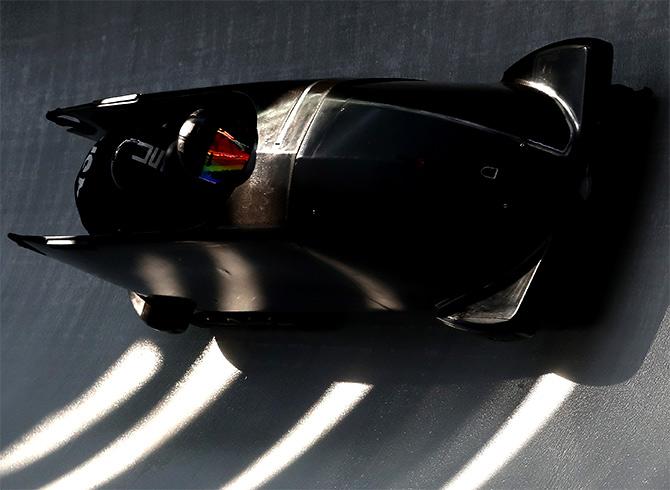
170, 169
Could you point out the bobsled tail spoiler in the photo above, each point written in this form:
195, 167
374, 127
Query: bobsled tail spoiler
576, 73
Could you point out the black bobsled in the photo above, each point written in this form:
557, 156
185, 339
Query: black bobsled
265, 201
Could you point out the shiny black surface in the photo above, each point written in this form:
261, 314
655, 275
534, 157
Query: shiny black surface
509, 110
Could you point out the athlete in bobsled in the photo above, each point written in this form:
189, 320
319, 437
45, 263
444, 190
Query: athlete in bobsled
275, 199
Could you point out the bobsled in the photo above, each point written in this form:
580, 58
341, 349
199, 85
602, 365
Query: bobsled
265, 202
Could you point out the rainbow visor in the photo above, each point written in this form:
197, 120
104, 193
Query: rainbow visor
224, 155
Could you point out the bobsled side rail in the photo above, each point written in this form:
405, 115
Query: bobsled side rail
92, 119
219, 234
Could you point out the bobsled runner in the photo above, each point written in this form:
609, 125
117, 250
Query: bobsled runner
262, 202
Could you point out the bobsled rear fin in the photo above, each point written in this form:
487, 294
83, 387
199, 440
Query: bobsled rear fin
576, 73
498, 308
495, 303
